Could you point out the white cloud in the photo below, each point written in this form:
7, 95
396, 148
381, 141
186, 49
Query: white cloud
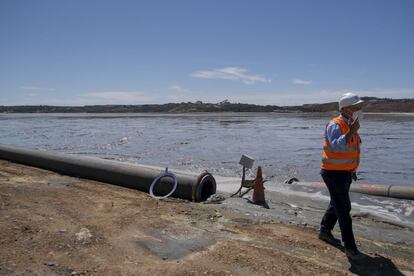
290, 97
36, 88
301, 82
178, 89
118, 97
93, 98
231, 73
178, 93
399, 93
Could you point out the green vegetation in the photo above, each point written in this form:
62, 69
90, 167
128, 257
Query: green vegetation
373, 105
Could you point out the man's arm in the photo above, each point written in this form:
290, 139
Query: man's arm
334, 136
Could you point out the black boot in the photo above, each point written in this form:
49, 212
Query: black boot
327, 237
354, 255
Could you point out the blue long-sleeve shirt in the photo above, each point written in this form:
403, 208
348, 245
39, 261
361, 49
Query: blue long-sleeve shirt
334, 136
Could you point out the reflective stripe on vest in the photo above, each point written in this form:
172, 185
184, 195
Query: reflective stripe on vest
339, 161
347, 149
341, 158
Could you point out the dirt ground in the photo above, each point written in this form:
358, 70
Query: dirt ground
57, 225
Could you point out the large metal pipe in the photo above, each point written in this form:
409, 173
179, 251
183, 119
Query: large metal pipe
190, 186
395, 191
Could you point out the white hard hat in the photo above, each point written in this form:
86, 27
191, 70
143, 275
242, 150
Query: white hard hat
349, 99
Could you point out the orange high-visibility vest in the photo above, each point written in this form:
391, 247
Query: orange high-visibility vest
341, 159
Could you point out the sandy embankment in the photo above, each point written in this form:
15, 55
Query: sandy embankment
52, 224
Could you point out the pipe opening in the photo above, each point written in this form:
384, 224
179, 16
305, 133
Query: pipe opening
206, 188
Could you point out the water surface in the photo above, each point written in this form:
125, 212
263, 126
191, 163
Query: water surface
285, 145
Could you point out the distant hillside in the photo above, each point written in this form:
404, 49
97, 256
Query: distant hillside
373, 105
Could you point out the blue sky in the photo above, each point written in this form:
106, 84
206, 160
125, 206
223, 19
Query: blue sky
264, 52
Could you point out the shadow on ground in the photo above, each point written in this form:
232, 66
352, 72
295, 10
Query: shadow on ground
374, 266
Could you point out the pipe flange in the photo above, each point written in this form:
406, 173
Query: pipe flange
165, 174
202, 180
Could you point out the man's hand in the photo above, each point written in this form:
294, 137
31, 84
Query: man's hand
354, 176
353, 128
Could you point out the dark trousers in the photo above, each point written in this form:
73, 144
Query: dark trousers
338, 183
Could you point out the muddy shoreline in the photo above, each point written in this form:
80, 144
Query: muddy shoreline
57, 225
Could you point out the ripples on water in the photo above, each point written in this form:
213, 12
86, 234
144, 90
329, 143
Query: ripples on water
285, 145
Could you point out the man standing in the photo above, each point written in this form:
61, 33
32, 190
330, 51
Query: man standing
340, 159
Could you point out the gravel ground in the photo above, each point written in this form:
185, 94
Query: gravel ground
57, 225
